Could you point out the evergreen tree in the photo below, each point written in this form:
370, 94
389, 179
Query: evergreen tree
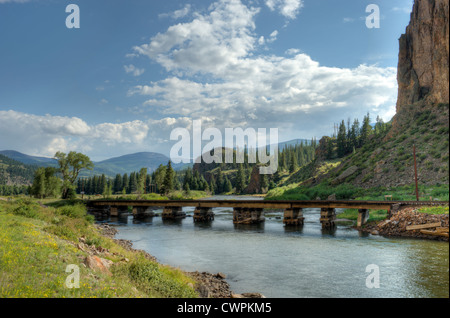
142, 177
293, 165
133, 183
240, 180
168, 179
212, 185
125, 183
365, 130
159, 176
118, 185
341, 141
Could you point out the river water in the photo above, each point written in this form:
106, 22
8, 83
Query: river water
281, 262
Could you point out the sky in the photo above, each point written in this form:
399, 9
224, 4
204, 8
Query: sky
136, 70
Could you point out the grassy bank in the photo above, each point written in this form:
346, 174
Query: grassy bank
351, 192
37, 243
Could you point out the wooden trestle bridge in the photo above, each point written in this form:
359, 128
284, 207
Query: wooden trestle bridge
252, 211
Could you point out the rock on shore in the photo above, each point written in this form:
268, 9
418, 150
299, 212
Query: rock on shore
397, 224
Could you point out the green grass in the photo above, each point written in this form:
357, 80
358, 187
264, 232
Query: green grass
37, 244
295, 192
434, 210
350, 192
352, 214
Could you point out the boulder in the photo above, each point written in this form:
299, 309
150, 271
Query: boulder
98, 264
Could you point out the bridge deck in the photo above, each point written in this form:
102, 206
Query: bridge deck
260, 204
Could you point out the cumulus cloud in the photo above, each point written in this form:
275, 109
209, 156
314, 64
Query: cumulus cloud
177, 14
287, 8
45, 135
214, 71
16, 1
217, 73
133, 70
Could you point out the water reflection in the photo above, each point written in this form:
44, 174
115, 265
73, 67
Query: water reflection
298, 229
259, 227
329, 232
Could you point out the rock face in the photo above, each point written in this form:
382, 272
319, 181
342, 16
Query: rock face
423, 67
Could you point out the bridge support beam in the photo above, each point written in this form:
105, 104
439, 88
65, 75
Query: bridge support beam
203, 214
363, 217
327, 218
170, 213
293, 216
248, 216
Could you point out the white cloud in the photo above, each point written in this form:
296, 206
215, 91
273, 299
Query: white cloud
16, 1
287, 8
177, 14
244, 88
207, 44
45, 135
216, 73
134, 70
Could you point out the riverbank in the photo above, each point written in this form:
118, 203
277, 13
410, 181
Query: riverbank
208, 285
411, 223
58, 252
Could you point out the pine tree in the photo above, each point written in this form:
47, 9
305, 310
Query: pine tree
167, 185
212, 184
141, 181
341, 140
125, 183
365, 130
240, 180
293, 165
118, 185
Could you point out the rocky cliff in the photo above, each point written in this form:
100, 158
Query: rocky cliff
422, 117
423, 67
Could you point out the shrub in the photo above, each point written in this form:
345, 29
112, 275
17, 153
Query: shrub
75, 211
149, 276
26, 208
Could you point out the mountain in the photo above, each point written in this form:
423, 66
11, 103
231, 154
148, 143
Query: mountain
29, 160
13, 172
293, 142
110, 167
132, 162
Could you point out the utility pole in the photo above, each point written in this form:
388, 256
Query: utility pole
415, 172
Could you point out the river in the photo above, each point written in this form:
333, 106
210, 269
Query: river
281, 262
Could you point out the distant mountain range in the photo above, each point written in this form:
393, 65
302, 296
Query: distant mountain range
118, 165
109, 167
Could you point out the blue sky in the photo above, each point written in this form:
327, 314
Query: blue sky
135, 70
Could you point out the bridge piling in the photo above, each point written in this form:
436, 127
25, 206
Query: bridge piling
203, 214
248, 216
139, 211
327, 218
113, 211
363, 217
293, 216
171, 213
